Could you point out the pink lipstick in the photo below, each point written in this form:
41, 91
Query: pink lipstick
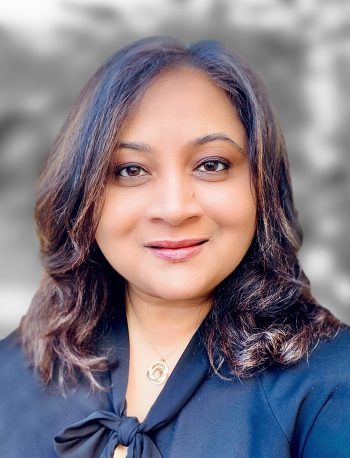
176, 250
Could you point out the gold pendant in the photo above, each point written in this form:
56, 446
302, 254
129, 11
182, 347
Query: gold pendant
158, 372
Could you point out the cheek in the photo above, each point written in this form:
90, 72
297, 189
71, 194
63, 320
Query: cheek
119, 214
232, 208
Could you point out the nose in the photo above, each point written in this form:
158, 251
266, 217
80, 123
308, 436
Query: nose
174, 199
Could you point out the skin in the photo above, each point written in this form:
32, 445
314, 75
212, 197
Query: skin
167, 185
175, 191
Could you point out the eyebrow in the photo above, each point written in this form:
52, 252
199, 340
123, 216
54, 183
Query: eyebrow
215, 136
202, 140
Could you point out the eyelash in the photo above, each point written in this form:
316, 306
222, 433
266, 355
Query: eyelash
226, 165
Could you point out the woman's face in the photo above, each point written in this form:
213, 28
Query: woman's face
179, 213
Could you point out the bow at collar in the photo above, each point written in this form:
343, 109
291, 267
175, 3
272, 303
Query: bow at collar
99, 434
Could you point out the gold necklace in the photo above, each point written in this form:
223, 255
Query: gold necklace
158, 371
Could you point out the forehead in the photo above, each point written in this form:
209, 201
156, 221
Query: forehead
181, 104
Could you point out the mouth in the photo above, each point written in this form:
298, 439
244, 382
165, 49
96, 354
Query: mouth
175, 244
176, 250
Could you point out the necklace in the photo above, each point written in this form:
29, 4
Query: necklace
158, 371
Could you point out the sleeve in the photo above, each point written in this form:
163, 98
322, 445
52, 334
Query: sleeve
330, 432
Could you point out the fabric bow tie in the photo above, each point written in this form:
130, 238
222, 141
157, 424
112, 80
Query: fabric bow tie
99, 434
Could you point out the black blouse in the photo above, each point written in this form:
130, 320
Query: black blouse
301, 411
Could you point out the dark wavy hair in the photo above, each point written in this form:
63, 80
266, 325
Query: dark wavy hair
263, 313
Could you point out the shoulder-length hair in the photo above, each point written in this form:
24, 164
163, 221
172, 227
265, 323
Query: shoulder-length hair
263, 313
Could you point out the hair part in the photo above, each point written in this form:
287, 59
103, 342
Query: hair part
263, 313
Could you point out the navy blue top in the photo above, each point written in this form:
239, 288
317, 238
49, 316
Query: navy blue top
301, 411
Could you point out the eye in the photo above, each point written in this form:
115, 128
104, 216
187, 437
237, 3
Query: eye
213, 165
129, 171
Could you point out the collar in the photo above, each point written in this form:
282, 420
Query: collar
98, 434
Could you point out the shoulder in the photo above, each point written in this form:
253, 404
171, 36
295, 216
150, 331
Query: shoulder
15, 368
12, 359
18, 383
32, 411
311, 400
19, 401
329, 359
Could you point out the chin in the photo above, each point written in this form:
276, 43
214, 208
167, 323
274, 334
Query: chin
178, 292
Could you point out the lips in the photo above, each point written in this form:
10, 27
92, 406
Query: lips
176, 250
175, 243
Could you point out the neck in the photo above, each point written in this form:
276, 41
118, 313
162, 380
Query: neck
164, 322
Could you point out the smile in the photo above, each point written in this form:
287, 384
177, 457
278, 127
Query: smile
176, 250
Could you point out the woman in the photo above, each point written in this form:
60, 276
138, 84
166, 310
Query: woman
174, 319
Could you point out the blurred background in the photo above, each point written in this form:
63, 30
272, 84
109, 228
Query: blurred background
301, 49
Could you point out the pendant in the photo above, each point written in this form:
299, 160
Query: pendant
158, 372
